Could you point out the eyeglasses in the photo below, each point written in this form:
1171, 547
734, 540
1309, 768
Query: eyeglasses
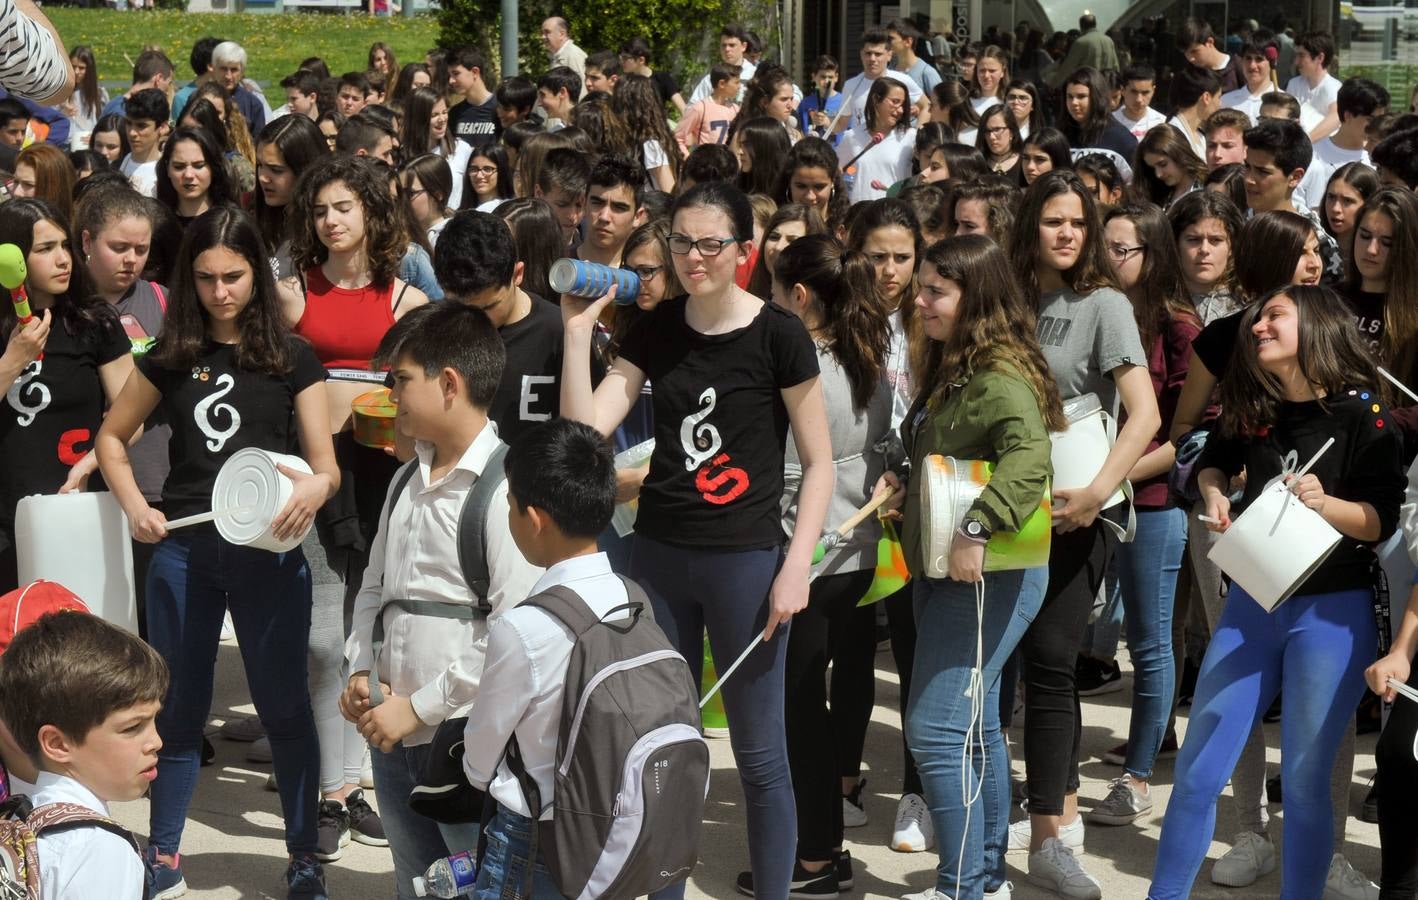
645, 273
482, 170
1018, 98
680, 245
998, 129
1120, 253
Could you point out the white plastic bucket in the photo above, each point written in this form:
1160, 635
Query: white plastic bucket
249, 484
631, 458
1272, 547
82, 542
950, 487
1080, 451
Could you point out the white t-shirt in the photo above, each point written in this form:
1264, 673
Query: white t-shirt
886, 163
1151, 118
1193, 136
1314, 101
1245, 101
705, 89
980, 104
859, 86
1327, 158
458, 168
143, 176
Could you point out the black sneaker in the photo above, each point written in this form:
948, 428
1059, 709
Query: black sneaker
1273, 791
332, 826
365, 826
842, 865
1369, 812
1098, 678
805, 884
209, 753
305, 879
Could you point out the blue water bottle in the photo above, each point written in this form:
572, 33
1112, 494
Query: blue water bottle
453, 876
580, 278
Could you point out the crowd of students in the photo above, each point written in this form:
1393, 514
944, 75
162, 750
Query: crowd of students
838, 284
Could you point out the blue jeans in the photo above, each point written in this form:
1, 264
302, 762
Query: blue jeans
503, 875
971, 840
193, 579
1147, 574
1312, 650
416, 841
726, 592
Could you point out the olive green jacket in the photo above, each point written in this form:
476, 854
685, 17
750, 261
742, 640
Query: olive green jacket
994, 416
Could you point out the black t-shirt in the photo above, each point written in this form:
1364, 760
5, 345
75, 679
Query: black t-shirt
530, 390
664, 84
721, 426
216, 408
1216, 343
53, 410
476, 124
1362, 466
1368, 310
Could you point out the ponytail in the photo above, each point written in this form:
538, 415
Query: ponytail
842, 288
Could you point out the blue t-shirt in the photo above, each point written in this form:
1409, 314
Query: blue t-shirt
810, 105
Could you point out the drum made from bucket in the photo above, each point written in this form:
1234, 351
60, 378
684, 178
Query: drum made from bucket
374, 413
1272, 547
950, 488
631, 458
81, 541
1080, 451
250, 485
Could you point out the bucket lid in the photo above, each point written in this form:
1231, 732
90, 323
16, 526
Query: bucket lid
1076, 408
378, 403
249, 479
631, 457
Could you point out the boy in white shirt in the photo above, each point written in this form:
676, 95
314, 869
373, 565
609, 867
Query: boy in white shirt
1136, 114
562, 484
446, 364
1315, 89
146, 112
81, 698
1257, 64
1359, 101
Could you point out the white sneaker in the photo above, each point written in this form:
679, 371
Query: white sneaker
913, 832
927, 894
1003, 892
1053, 867
1020, 833
853, 816
1252, 856
1345, 882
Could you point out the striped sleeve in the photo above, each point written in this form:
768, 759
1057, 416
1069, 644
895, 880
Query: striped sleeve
31, 62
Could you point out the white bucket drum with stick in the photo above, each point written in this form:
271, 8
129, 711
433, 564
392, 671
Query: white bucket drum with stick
249, 494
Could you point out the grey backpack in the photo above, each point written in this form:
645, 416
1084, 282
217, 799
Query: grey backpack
632, 767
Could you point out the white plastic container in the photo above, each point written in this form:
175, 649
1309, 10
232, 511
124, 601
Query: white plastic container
950, 487
81, 541
623, 519
1080, 451
250, 485
1272, 547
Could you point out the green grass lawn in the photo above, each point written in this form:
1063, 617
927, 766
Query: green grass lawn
275, 43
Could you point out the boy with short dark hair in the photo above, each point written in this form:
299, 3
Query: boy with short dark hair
613, 209
821, 104
1279, 105
707, 121
1360, 99
81, 698
1225, 131
561, 483
602, 71
557, 91
515, 98
1396, 159
146, 112
446, 362
14, 122
708, 162
474, 118
562, 182
354, 93
1277, 155
1197, 42
1136, 114
1314, 88
302, 95
477, 265
366, 135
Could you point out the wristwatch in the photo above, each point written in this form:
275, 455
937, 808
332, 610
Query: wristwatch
975, 530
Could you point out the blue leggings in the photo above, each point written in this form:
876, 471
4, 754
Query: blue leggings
1312, 650
727, 593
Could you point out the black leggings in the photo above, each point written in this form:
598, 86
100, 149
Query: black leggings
832, 629
1049, 651
901, 621
1398, 796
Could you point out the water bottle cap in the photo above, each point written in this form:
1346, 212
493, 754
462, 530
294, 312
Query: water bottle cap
420, 889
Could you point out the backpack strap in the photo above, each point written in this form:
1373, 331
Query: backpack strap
53, 817
566, 606
472, 528
160, 294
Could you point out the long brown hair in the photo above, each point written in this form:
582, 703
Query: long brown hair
1399, 346
385, 236
994, 326
1092, 270
1160, 294
841, 287
1164, 140
1267, 251
1331, 356
760, 283
655, 234
870, 216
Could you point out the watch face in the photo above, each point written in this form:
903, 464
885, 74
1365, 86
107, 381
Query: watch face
974, 528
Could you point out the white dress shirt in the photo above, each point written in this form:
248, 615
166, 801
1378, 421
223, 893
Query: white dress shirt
1314, 101
435, 662
523, 681
83, 862
1242, 98
886, 163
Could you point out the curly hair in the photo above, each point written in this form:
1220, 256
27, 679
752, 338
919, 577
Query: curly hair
643, 112
385, 236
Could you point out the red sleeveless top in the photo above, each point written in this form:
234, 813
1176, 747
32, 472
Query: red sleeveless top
344, 325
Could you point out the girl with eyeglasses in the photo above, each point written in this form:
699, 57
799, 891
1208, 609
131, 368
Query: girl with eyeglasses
490, 178
731, 374
1021, 98
999, 141
879, 154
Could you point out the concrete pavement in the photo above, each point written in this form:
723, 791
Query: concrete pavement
233, 844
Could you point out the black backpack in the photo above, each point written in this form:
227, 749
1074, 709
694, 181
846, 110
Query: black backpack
632, 766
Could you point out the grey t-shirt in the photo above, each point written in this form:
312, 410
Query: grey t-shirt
141, 312
1084, 337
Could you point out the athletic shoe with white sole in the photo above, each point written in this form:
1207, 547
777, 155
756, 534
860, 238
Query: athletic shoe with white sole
820, 885
1020, 833
244, 729
913, 832
854, 814
259, 751
1251, 856
842, 864
1345, 882
1003, 892
1054, 867
1124, 805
